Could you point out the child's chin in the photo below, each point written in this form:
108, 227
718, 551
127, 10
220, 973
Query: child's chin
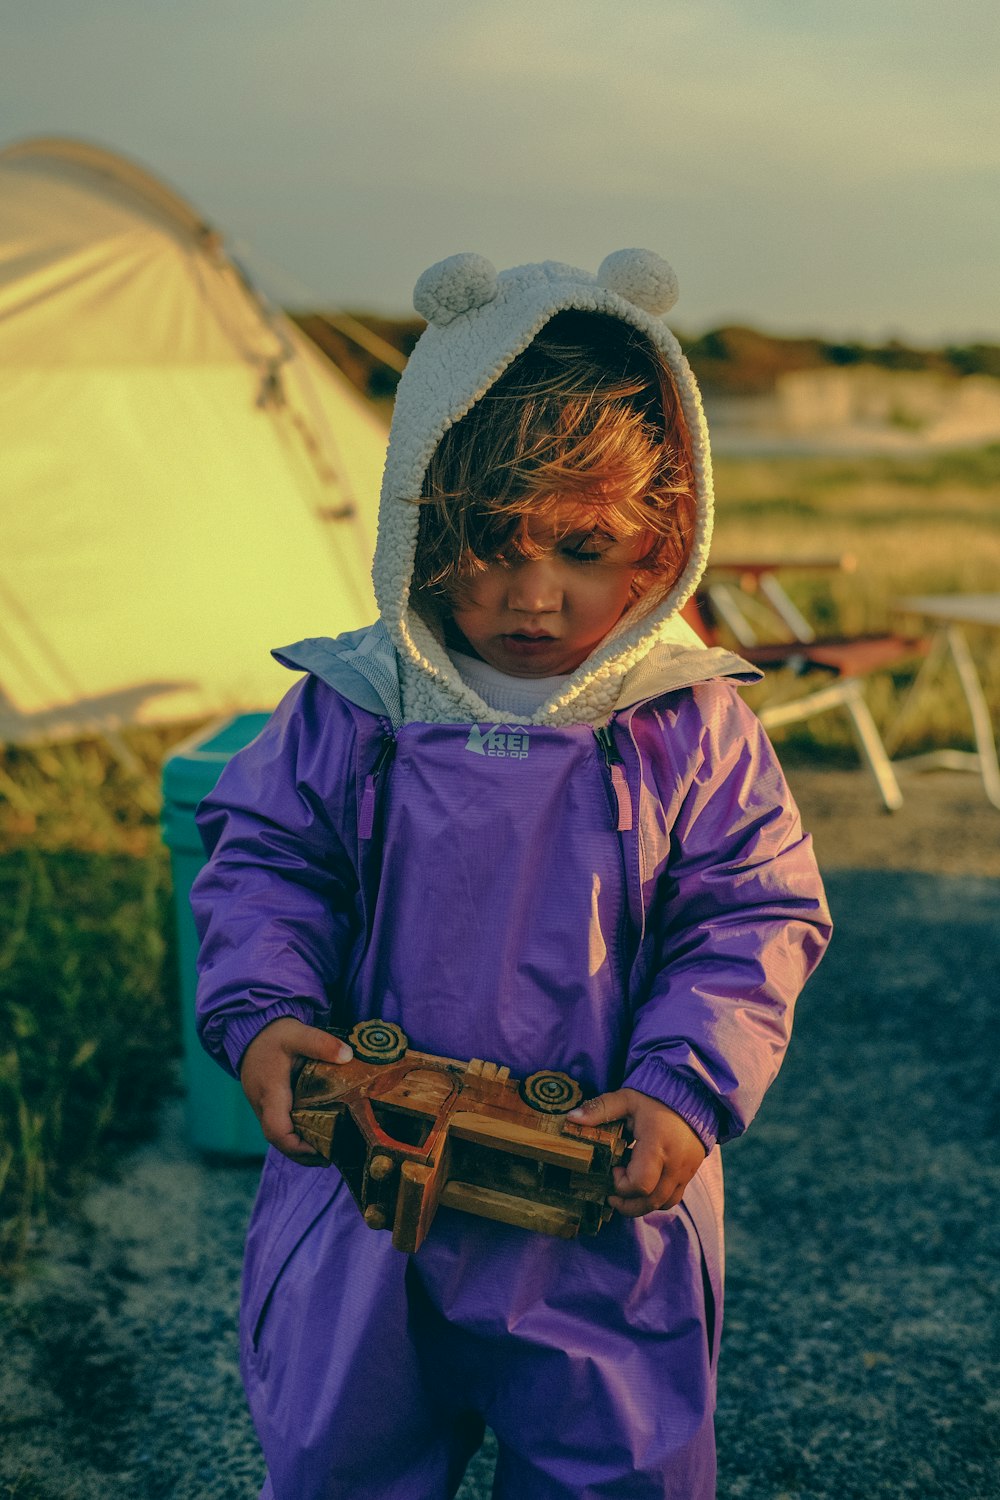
542, 661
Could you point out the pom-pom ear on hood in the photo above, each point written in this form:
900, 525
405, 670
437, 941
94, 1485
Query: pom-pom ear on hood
640, 277
453, 286
478, 321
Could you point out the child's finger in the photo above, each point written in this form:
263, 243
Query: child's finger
298, 1150
274, 1111
276, 1123
310, 1041
632, 1201
642, 1173
602, 1110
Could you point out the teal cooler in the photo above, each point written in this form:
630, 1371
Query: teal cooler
219, 1119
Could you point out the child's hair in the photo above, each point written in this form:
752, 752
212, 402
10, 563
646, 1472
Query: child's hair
587, 412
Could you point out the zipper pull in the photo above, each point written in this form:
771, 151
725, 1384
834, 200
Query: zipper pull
616, 770
366, 813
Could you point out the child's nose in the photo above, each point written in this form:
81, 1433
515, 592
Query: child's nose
535, 587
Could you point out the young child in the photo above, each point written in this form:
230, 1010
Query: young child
526, 816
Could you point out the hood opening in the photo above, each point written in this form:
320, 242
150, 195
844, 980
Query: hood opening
467, 367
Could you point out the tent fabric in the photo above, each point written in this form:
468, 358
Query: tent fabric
187, 482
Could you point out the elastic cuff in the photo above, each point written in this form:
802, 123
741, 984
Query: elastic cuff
683, 1095
237, 1032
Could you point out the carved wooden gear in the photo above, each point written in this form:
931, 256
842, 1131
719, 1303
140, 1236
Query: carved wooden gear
378, 1041
417, 1131
551, 1093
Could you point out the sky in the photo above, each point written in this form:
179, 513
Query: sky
806, 167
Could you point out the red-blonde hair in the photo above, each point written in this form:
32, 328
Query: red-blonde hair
588, 412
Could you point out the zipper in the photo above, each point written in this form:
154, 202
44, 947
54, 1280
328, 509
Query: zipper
369, 796
620, 802
638, 906
616, 774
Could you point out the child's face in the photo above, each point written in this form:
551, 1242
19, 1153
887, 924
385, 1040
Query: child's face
542, 616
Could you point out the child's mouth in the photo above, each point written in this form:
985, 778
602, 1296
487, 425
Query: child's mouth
527, 645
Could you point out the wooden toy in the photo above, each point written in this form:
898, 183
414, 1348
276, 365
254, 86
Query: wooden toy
410, 1131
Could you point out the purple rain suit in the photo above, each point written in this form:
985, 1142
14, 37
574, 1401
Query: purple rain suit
643, 917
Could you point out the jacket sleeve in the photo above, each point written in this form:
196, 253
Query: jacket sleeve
273, 905
738, 921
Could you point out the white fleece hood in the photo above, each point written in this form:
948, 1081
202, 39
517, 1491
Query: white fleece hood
477, 324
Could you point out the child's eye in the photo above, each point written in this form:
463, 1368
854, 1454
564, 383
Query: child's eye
585, 549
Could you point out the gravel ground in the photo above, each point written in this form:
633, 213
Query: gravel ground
860, 1356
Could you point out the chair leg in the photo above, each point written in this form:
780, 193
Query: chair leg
983, 760
848, 694
979, 712
929, 668
871, 746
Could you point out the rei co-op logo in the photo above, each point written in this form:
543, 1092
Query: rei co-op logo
500, 740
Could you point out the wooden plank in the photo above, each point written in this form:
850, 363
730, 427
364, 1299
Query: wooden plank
416, 1203
420, 1090
487, 1203
521, 1140
848, 656
758, 566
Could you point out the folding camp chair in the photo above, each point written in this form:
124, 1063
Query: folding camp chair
730, 599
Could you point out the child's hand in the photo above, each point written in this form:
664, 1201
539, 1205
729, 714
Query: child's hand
270, 1065
665, 1157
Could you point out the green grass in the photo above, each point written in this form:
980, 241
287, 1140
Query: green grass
88, 1011
89, 1024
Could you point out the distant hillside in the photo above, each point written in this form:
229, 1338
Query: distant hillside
731, 361
744, 362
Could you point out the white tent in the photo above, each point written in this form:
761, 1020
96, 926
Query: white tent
184, 480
